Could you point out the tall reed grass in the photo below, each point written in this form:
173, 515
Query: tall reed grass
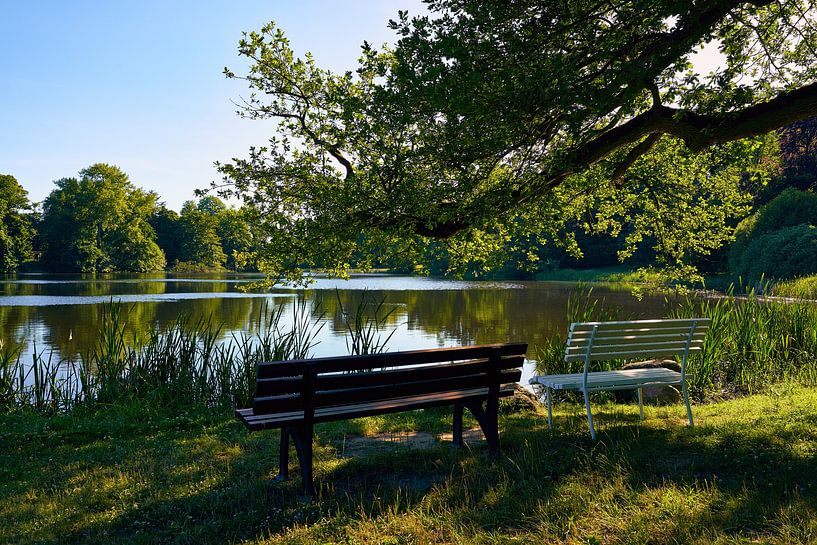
367, 324
752, 342
184, 364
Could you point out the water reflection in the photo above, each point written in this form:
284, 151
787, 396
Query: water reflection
64, 312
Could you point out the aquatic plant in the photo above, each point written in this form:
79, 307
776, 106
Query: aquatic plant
753, 341
367, 324
184, 364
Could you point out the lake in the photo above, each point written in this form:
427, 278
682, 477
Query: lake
63, 312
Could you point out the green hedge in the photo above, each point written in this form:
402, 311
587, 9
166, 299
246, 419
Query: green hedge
781, 255
773, 225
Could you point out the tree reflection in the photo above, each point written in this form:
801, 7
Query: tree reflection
472, 314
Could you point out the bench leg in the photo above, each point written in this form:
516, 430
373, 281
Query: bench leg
283, 455
303, 447
492, 413
641, 402
550, 410
488, 419
589, 415
686, 402
457, 431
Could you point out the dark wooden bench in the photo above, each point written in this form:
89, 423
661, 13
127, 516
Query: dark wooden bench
296, 395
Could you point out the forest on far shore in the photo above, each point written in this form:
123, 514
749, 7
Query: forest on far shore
100, 221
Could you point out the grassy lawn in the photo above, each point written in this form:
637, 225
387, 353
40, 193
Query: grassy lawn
746, 474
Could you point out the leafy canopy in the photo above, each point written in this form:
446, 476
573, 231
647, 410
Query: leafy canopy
16, 228
98, 223
491, 121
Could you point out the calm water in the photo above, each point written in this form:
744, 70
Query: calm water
63, 312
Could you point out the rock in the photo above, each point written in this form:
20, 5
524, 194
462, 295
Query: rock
522, 401
652, 394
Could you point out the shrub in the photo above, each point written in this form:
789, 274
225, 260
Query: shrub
789, 209
780, 255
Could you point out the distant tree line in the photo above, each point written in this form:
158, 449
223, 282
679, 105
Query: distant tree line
100, 221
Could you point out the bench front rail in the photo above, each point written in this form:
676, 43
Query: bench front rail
626, 340
296, 395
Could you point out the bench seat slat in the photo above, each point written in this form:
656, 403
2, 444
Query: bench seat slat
327, 414
626, 377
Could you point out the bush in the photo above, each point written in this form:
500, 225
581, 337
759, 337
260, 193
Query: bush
780, 255
789, 209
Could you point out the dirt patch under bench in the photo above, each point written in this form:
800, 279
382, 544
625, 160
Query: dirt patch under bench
350, 446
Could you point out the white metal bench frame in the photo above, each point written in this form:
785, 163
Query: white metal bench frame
624, 340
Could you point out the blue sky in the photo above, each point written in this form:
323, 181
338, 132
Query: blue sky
139, 84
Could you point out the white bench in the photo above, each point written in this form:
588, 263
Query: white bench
602, 341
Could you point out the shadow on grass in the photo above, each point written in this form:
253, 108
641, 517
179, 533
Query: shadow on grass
208, 481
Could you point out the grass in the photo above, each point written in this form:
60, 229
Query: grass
135, 474
618, 273
799, 288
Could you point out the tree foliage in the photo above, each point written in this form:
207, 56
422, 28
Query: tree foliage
16, 229
200, 246
99, 222
488, 118
798, 155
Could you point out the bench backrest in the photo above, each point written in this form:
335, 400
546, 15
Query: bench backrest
304, 385
594, 341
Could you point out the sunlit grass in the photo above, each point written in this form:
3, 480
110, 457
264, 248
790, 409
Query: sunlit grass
136, 474
799, 288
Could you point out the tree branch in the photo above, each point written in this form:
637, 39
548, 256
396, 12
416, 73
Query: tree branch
696, 130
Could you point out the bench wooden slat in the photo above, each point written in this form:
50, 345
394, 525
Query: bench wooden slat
257, 422
279, 403
632, 346
641, 325
386, 391
277, 386
278, 369
397, 359
620, 355
657, 336
337, 381
635, 329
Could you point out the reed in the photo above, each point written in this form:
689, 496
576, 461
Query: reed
753, 341
367, 324
185, 364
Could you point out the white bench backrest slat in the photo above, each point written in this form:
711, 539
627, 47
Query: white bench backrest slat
594, 341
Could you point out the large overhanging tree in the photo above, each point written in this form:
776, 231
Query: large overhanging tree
491, 121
